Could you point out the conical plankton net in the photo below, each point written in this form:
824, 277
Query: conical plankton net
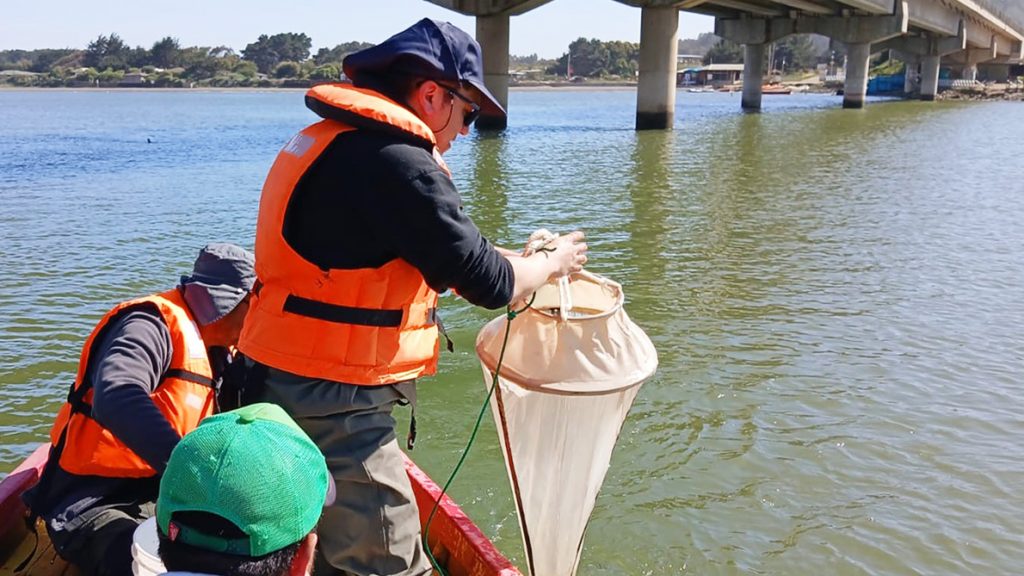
572, 366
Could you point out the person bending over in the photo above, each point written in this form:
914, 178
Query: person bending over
147, 376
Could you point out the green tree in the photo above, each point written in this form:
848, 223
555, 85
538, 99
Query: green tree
85, 75
45, 59
699, 45
191, 56
795, 52
623, 58
59, 76
107, 52
724, 52
223, 52
246, 69
110, 76
338, 53
137, 57
326, 73
589, 57
594, 58
165, 52
73, 60
15, 59
523, 61
269, 51
203, 63
168, 79
94, 51
287, 70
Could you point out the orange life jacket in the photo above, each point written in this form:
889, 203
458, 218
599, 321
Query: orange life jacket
367, 326
184, 396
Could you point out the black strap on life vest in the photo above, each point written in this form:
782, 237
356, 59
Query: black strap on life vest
193, 377
343, 314
375, 317
435, 318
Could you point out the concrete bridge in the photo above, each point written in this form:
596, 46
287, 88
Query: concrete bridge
922, 31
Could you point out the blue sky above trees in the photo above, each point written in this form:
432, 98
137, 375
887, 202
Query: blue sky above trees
546, 31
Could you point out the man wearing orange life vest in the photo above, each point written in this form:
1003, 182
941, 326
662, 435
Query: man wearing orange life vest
360, 227
146, 377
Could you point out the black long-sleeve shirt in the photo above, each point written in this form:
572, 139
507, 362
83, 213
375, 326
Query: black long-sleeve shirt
125, 367
372, 197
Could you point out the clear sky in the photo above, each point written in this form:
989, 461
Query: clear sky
546, 31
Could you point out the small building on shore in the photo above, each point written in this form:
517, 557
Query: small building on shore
714, 75
689, 61
134, 79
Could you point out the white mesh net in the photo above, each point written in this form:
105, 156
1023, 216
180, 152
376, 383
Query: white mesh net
567, 380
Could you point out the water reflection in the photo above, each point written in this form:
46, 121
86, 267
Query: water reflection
651, 196
489, 201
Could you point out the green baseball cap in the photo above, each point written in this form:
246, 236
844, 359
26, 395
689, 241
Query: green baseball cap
253, 467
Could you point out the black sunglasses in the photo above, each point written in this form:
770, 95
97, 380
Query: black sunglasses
474, 108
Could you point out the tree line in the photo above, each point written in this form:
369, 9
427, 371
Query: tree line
287, 59
792, 53
269, 61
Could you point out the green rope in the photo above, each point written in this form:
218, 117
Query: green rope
511, 315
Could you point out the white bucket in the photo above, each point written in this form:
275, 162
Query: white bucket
145, 559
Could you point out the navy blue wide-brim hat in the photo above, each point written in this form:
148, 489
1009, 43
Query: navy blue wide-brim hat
428, 48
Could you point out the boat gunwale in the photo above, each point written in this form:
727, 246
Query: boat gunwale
452, 533
12, 509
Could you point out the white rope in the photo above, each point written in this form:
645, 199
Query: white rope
537, 241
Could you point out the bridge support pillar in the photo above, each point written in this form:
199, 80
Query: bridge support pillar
858, 61
930, 49
929, 77
858, 33
754, 34
970, 72
656, 87
973, 57
753, 75
492, 32
910, 76
912, 62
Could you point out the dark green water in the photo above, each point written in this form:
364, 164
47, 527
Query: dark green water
836, 297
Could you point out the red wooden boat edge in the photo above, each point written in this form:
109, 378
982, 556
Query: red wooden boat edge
12, 510
460, 537
454, 539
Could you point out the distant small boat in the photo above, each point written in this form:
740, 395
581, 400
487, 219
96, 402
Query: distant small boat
776, 89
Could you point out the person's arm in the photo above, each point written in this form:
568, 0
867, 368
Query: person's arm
506, 252
423, 222
565, 255
429, 229
125, 369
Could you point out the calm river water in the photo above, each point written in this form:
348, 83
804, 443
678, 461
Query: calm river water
836, 297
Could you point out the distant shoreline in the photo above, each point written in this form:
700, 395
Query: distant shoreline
540, 86
1001, 93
